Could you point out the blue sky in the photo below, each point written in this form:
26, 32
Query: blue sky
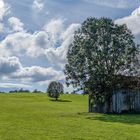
35, 34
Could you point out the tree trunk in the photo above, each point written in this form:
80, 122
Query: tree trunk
89, 104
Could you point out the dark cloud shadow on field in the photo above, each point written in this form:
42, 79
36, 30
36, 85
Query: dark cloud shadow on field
123, 118
130, 119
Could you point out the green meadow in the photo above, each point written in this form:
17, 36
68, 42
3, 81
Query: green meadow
37, 117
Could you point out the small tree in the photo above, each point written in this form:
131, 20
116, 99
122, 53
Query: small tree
55, 89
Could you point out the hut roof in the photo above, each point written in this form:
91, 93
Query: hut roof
129, 81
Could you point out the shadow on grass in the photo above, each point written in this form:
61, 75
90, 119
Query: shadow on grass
60, 100
113, 118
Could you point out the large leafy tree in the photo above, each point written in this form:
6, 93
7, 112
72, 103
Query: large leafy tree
101, 51
55, 89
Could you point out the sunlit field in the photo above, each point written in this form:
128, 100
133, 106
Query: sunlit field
37, 117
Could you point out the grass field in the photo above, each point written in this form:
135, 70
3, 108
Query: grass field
36, 117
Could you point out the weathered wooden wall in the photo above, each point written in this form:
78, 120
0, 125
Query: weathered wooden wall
126, 100
123, 100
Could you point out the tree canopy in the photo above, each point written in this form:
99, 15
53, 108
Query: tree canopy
101, 51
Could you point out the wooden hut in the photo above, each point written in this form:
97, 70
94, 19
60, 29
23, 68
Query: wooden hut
124, 99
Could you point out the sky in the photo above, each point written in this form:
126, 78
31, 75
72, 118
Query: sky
35, 35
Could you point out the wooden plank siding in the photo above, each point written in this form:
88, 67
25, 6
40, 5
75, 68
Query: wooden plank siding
123, 100
126, 100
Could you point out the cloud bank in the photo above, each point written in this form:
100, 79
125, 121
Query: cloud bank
51, 41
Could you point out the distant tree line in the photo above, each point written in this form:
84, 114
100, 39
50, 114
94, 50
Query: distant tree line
54, 90
25, 91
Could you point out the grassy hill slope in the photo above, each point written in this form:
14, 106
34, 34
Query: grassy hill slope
36, 117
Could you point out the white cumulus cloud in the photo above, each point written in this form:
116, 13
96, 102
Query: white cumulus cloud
52, 42
57, 55
38, 74
16, 44
15, 24
4, 9
54, 29
13, 85
133, 23
11, 68
38, 5
9, 65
